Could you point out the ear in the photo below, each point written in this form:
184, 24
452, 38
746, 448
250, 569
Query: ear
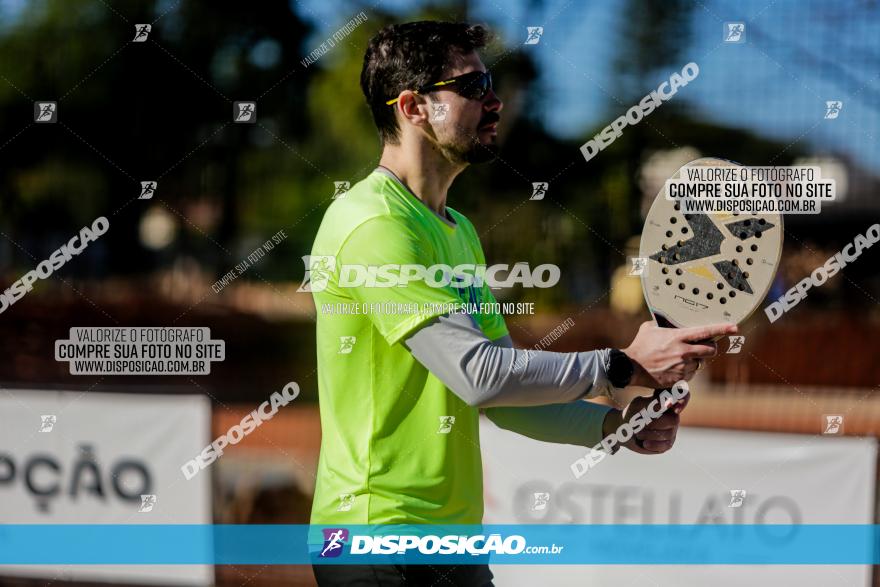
413, 107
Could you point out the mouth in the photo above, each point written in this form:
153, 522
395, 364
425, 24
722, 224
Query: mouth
491, 127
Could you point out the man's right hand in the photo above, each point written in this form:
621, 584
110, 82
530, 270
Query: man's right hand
663, 356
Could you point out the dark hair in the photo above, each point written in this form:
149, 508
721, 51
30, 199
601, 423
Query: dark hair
408, 56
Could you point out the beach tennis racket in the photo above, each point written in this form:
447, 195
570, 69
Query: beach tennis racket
706, 268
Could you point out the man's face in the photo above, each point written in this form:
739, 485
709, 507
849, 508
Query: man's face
465, 129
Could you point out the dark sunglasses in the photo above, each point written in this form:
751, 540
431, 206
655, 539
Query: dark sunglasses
473, 86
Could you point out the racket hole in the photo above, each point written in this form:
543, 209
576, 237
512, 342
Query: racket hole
709, 295
743, 235
740, 287
732, 294
664, 246
722, 300
684, 230
757, 235
678, 271
668, 233
681, 243
749, 261
739, 249
761, 221
747, 222
731, 275
754, 247
719, 286
676, 256
746, 274
673, 220
736, 262
663, 259
677, 206
665, 270
680, 286
696, 290
668, 282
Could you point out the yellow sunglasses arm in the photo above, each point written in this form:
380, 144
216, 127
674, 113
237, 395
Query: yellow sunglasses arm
392, 101
434, 85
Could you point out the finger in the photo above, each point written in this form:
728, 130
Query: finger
678, 407
681, 404
657, 446
706, 332
646, 434
668, 404
668, 421
700, 351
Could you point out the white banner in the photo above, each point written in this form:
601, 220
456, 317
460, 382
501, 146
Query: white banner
786, 478
103, 458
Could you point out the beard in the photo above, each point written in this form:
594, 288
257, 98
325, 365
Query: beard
466, 148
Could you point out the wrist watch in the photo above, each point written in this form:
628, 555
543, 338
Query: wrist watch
619, 368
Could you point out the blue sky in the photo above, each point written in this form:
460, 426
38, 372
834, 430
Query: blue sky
772, 84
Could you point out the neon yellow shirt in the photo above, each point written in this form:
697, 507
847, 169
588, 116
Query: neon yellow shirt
390, 450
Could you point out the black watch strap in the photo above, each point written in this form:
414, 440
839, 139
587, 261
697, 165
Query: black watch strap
619, 368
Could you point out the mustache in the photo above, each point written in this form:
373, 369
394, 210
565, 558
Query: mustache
489, 119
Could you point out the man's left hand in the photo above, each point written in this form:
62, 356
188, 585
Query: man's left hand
659, 435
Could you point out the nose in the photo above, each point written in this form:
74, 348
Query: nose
492, 103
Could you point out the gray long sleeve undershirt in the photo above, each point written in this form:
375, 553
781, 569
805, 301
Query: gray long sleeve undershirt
533, 393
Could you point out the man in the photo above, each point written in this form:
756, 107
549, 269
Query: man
400, 391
